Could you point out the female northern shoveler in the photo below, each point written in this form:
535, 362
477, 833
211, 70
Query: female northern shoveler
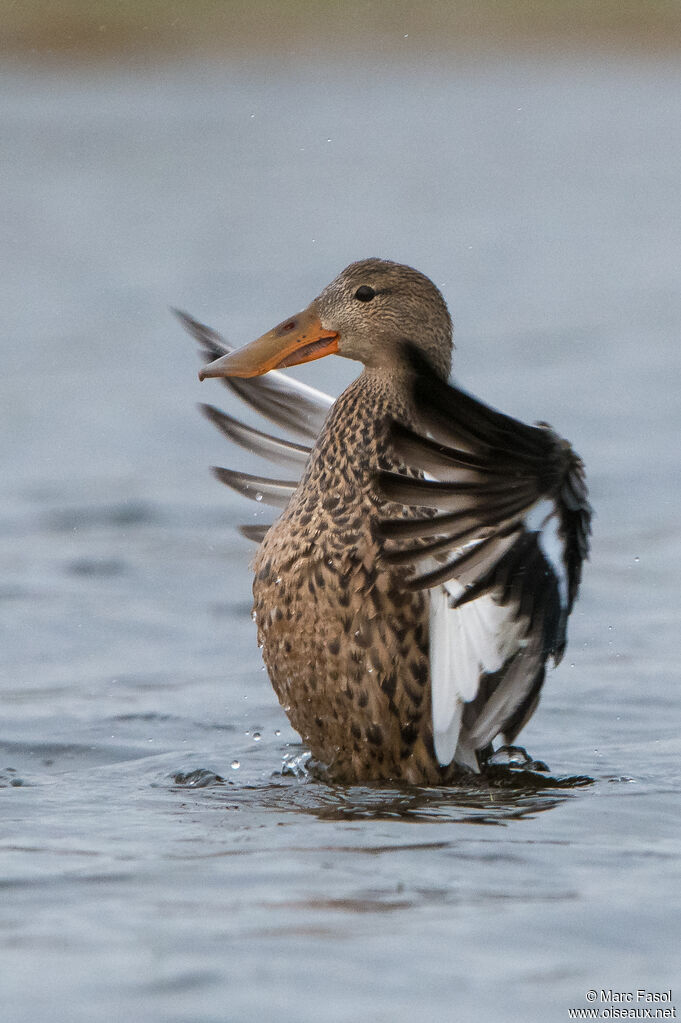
423, 569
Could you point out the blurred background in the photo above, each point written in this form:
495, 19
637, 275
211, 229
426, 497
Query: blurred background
231, 159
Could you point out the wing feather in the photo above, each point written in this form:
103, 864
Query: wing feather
254, 532
497, 531
284, 452
289, 403
258, 488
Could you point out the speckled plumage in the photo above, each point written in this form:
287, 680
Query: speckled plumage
424, 567
345, 645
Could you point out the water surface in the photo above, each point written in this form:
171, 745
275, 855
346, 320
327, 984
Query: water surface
155, 863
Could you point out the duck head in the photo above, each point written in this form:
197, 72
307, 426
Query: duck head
367, 313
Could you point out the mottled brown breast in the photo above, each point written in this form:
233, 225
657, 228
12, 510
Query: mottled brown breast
345, 644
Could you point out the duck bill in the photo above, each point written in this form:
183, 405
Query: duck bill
301, 338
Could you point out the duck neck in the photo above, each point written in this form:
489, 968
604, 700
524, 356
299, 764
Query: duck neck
353, 442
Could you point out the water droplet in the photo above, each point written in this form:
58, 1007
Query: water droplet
637, 559
277, 580
258, 496
235, 765
297, 766
277, 731
254, 616
256, 737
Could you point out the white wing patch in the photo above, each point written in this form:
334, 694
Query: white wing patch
478, 638
447, 705
464, 642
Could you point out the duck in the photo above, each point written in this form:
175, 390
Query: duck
428, 549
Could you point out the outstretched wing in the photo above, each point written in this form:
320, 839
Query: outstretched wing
291, 405
500, 541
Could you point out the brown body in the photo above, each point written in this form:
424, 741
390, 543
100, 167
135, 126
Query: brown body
345, 645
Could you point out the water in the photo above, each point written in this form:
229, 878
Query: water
156, 861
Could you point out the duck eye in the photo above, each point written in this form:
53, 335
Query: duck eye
365, 293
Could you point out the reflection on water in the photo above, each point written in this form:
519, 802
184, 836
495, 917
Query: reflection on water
491, 803
498, 795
